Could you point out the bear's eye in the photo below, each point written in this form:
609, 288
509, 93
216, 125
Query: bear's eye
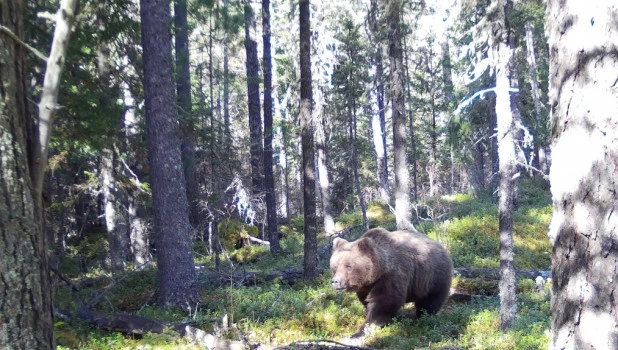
348, 267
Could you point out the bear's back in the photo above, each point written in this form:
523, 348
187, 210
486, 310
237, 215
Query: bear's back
423, 261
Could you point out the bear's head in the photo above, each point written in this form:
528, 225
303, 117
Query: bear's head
353, 264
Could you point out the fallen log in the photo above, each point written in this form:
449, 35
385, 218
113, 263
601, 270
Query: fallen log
494, 273
124, 323
139, 325
289, 276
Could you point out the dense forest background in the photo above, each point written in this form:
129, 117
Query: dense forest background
99, 173
205, 154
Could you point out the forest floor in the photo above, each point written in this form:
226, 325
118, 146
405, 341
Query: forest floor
259, 301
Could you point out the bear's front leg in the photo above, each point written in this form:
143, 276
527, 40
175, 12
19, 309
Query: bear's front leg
380, 311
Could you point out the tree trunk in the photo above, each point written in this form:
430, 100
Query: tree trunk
284, 175
138, 234
408, 91
583, 67
183, 90
51, 85
378, 118
115, 220
26, 293
253, 96
308, 148
541, 164
507, 163
227, 135
176, 274
269, 176
323, 180
402, 175
357, 185
477, 171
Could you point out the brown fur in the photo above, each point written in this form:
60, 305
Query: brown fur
388, 269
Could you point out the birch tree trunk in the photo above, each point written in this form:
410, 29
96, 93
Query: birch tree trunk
583, 66
51, 85
308, 148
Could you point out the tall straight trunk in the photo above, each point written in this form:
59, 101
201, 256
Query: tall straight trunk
397, 74
113, 213
378, 118
583, 66
138, 236
323, 180
449, 97
357, 185
477, 172
408, 92
115, 220
308, 148
269, 176
493, 148
285, 176
26, 292
506, 125
176, 273
227, 140
183, 91
253, 97
541, 164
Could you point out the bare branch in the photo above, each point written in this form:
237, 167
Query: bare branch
12, 35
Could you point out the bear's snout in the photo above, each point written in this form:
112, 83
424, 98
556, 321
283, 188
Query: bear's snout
337, 284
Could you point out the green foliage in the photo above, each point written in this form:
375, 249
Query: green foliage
231, 231
474, 241
135, 291
86, 253
249, 254
472, 234
378, 215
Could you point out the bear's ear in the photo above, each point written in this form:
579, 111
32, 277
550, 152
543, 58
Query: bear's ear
364, 246
338, 243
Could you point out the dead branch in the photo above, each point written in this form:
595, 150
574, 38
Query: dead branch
321, 344
494, 273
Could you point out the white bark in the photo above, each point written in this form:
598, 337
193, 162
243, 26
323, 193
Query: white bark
51, 86
583, 42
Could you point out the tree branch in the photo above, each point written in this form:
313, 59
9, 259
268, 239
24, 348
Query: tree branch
12, 35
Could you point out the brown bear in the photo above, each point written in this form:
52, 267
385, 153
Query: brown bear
388, 269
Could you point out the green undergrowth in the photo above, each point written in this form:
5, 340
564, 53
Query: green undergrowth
277, 313
472, 235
